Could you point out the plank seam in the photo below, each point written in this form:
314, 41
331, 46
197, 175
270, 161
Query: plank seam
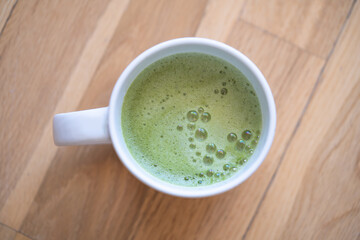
282, 39
6, 226
8, 18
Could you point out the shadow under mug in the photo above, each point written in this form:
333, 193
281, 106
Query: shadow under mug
103, 125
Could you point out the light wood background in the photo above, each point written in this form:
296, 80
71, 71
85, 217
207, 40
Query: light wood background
59, 56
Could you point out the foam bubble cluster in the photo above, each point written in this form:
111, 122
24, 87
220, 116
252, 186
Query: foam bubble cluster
209, 150
200, 127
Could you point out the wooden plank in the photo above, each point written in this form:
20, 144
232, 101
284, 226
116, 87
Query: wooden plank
6, 8
219, 18
6, 233
31, 170
311, 25
316, 193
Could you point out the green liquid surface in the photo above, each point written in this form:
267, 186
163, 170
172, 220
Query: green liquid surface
191, 119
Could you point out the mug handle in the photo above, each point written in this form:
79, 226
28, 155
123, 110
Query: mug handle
82, 127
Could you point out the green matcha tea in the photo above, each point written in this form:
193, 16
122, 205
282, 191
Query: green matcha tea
191, 119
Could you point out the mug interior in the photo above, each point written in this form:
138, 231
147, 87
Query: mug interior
210, 47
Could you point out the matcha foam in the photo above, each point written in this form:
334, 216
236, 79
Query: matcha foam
191, 119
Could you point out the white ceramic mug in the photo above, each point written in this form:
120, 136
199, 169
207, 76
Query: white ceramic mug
103, 125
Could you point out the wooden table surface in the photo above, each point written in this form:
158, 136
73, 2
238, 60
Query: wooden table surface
59, 56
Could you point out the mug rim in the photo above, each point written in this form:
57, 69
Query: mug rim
190, 193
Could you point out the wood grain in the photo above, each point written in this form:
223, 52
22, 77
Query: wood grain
311, 25
26, 82
6, 8
64, 56
322, 196
219, 18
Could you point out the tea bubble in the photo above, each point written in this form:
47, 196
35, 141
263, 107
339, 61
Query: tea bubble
179, 127
191, 126
192, 146
208, 160
198, 153
210, 172
223, 91
241, 161
246, 135
186, 178
200, 110
191, 139
217, 174
200, 182
192, 116
201, 174
220, 154
211, 148
240, 145
201, 134
205, 117
231, 137
226, 167
233, 169
216, 91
